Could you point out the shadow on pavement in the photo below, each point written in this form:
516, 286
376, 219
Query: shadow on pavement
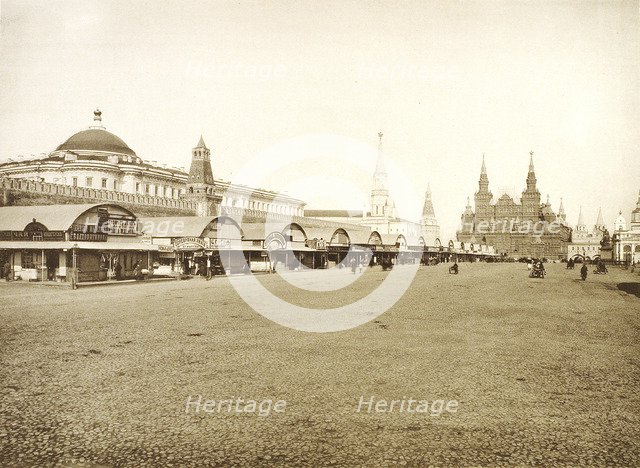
630, 288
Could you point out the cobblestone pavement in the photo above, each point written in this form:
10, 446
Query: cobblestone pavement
546, 373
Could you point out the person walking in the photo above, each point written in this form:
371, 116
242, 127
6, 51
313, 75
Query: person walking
6, 271
137, 270
583, 271
118, 270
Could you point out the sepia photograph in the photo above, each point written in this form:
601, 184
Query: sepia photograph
348, 233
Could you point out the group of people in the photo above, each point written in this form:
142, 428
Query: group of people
537, 268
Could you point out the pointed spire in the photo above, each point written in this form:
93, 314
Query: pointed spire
580, 219
531, 169
599, 221
380, 162
201, 143
548, 200
427, 209
561, 209
483, 182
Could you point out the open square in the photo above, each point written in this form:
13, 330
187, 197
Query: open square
545, 372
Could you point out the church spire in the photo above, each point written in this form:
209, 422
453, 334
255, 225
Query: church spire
381, 204
531, 168
561, 214
580, 219
380, 162
483, 183
531, 178
600, 222
427, 209
201, 143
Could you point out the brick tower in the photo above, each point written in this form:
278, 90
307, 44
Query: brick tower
200, 184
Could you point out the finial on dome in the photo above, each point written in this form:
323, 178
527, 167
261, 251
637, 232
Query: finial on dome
97, 119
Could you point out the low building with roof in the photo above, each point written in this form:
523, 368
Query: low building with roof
586, 243
51, 242
626, 238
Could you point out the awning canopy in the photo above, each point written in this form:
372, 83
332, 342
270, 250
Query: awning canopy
59, 245
53, 217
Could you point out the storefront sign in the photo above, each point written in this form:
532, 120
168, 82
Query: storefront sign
220, 243
87, 236
165, 248
32, 235
273, 241
318, 244
146, 239
189, 243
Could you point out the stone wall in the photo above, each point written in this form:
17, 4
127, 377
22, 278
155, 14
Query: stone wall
20, 192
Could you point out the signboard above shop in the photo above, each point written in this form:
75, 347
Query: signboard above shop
216, 243
317, 244
189, 243
87, 236
32, 235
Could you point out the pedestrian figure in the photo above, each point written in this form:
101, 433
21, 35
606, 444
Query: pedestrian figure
137, 270
6, 271
583, 271
354, 265
118, 270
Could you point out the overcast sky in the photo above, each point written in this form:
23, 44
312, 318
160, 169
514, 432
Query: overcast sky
298, 90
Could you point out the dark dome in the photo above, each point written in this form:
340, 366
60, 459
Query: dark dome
96, 140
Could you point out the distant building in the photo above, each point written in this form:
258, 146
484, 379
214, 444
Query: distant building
430, 229
626, 241
586, 243
382, 217
524, 228
97, 159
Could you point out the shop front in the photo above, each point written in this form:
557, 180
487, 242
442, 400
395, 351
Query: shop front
57, 242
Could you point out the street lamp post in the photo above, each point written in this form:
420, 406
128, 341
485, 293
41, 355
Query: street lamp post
74, 263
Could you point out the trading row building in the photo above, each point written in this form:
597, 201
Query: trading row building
145, 217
